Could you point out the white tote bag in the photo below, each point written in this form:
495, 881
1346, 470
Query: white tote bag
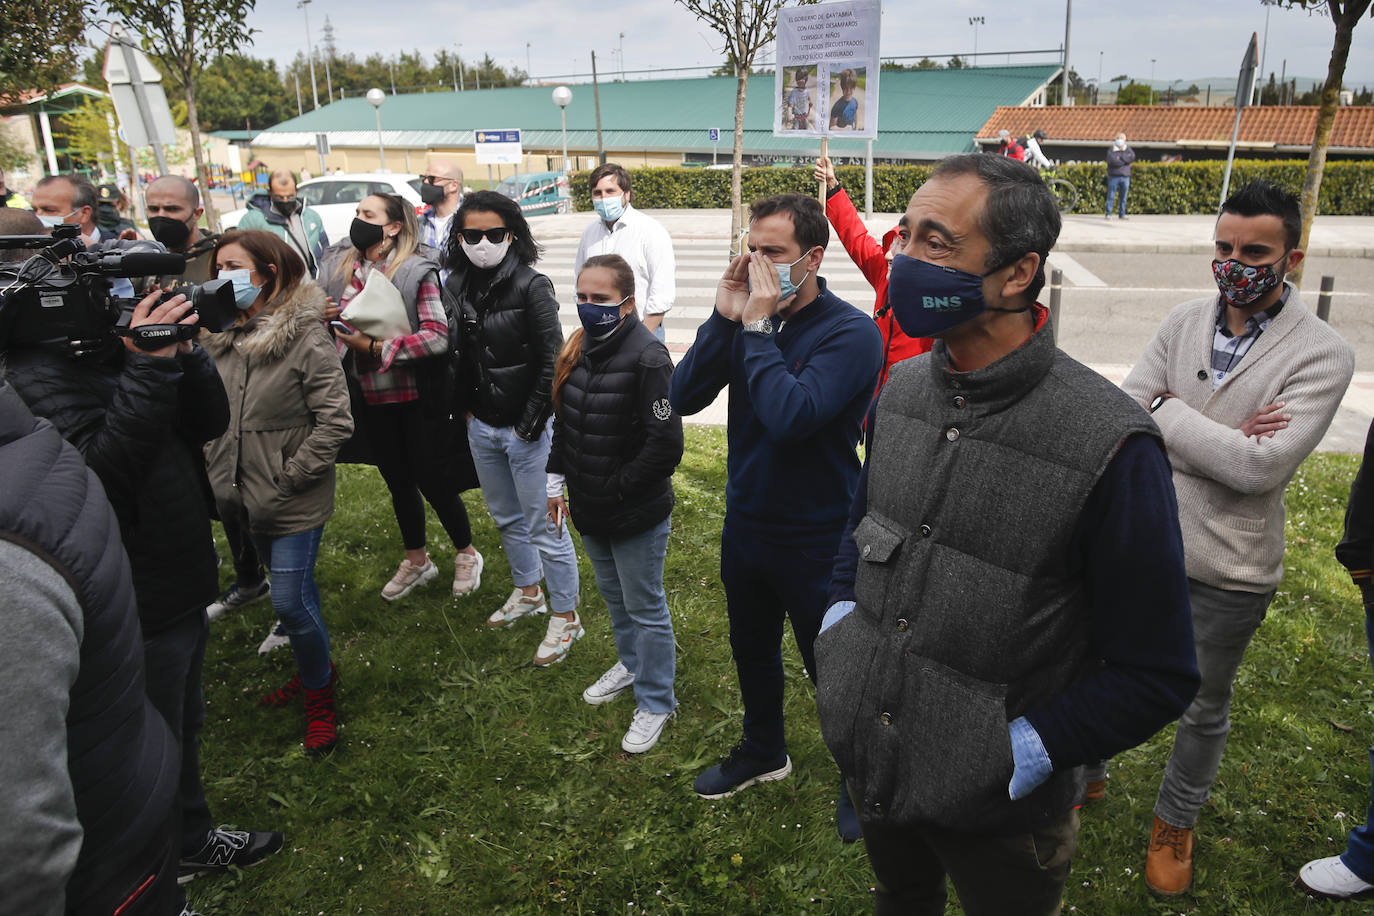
377, 309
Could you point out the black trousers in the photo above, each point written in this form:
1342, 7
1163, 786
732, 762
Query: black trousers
403, 444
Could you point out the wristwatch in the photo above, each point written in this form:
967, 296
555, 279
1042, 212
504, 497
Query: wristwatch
762, 326
1158, 402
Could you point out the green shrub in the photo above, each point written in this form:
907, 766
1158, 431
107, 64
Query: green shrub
1156, 187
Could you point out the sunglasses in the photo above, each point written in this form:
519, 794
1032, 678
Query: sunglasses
435, 179
474, 236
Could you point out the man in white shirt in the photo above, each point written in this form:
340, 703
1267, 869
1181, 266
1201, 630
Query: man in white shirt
1034, 155
640, 240
442, 190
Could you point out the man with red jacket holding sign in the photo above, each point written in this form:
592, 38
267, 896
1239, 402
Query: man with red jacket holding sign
874, 260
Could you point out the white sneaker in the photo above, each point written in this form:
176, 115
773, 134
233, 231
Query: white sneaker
558, 639
1330, 877
467, 573
276, 638
408, 578
516, 606
645, 729
610, 685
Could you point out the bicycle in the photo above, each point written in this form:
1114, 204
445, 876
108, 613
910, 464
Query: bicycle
1065, 194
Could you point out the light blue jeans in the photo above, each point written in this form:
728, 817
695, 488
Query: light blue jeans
511, 472
1224, 622
629, 573
296, 599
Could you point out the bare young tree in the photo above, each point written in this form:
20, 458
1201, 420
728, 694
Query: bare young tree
745, 26
1344, 15
185, 35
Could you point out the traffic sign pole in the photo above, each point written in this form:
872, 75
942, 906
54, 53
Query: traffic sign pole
144, 110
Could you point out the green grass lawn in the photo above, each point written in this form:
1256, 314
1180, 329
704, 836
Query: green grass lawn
468, 781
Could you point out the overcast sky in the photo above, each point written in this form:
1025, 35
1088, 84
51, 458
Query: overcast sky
1189, 41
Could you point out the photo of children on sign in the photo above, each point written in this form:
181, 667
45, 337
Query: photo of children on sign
847, 89
799, 100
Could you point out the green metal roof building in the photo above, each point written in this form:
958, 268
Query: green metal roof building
923, 115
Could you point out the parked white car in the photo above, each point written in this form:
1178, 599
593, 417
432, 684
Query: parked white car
335, 198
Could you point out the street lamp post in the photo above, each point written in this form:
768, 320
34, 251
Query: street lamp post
528, 66
1152, 81
976, 21
310, 48
561, 97
622, 57
462, 85
1098, 91
376, 97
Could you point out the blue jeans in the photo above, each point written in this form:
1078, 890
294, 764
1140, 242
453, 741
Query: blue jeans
765, 584
629, 573
511, 472
1224, 622
1117, 185
1359, 845
296, 599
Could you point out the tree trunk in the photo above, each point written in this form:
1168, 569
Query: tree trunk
202, 173
737, 172
1326, 117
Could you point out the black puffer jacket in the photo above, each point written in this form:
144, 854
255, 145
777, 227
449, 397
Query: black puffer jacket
121, 756
140, 422
510, 340
616, 439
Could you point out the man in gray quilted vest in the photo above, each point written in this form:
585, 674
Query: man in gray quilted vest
1010, 601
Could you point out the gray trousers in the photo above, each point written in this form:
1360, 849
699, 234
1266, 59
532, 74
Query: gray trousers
1223, 624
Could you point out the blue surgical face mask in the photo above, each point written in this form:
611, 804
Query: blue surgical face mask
788, 288
609, 208
245, 293
929, 299
600, 318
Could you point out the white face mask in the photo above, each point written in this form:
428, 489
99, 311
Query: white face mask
52, 222
486, 253
1121, 143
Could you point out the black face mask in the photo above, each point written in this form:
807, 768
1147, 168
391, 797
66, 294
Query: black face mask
364, 235
431, 194
284, 207
171, 232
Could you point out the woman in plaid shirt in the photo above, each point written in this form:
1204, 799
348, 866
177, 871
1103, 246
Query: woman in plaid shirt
385, 236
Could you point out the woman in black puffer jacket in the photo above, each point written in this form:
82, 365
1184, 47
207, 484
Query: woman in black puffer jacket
510, 339
616, 442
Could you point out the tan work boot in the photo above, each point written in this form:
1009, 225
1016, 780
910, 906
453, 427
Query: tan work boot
1169, 863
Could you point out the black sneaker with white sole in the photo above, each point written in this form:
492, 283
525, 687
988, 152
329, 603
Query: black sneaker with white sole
225, 847
236, 597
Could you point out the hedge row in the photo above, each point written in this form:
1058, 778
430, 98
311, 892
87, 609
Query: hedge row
1156, 187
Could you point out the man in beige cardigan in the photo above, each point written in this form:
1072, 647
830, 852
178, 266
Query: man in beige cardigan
1243, 386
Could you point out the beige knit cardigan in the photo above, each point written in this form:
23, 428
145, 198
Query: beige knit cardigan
1230, 487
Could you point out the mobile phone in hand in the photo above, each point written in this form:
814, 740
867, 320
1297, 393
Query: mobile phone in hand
340, 326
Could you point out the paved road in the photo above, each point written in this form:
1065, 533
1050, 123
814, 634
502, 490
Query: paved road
1112, 301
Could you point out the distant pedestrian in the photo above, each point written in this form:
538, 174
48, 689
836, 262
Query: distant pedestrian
281, 212
1034, 155
1009, 146
616, 442
1119, 159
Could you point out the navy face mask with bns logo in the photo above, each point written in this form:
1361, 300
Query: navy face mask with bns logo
929, 299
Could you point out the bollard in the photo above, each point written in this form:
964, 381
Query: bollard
1324, 300
1056, 286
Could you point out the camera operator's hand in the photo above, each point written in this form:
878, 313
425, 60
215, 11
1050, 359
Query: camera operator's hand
173, 311
129, 235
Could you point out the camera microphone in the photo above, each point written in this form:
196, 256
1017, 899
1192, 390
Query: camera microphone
142, 263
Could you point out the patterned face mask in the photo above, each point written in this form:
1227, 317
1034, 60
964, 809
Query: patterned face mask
1241, 284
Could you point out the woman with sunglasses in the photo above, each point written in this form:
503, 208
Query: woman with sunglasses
511, 337
396, 421
274, 467
616, 442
